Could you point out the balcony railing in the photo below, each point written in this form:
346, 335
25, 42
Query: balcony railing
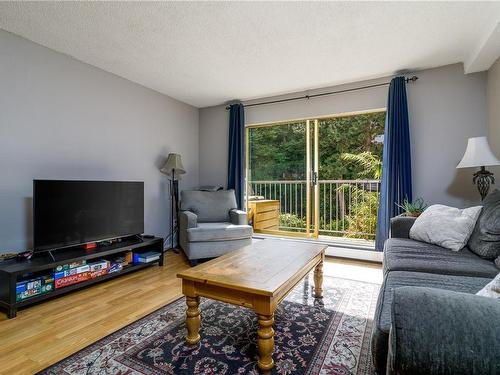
347, 208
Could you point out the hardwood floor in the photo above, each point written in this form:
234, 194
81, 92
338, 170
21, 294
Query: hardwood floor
48, 332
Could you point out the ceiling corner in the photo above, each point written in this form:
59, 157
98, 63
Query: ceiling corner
486, 52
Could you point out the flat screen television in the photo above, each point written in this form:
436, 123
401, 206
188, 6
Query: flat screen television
69, 213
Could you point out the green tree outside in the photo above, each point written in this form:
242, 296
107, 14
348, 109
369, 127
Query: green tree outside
350, 148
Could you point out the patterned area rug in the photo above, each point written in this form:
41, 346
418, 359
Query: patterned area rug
312, 336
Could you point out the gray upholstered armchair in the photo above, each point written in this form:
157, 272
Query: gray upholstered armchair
211, 225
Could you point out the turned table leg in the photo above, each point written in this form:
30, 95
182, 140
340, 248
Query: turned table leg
265, 342
318, 280
193, 320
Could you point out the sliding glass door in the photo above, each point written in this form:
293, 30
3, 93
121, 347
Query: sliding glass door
315, 177
280, 177
277, 188
350, 159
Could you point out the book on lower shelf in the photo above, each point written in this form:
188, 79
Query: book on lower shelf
69, 266
150, 256
75, 275
34, 287
77, 272
72, 279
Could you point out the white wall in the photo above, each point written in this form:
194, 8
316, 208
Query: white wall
446, 108
63, 119
493, 93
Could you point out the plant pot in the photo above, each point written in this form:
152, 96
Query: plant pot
413, 214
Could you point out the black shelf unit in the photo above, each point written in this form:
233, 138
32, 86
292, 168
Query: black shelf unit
10, 270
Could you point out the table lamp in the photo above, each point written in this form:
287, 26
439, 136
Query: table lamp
479, 154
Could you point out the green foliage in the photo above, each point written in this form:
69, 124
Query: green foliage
279, 152
291, 220
297, 224
347, 150
351, 134
333, 227
413, 208
370, 164
362, 217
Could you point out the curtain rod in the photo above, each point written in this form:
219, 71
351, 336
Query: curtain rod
411, 79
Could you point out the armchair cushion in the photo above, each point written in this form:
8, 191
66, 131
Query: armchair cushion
210, 232
238, 217
187, 219
209, 206
441, 332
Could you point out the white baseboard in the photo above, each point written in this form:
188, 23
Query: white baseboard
340, 250
372, 256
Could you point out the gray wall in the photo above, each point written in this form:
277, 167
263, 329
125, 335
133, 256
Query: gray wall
493, 93
63, 119
446, 107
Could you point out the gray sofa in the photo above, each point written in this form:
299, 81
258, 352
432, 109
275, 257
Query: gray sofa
210, 224
427, 319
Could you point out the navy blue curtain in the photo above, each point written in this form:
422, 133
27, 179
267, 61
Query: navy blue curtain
396, 160
236, 160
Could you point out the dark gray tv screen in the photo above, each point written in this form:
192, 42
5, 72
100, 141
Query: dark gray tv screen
67, 213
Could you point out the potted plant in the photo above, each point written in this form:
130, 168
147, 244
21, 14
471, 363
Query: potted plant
413, 209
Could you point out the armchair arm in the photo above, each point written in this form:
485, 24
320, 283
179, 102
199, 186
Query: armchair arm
187, 219
401, 225
437, 331
238, 217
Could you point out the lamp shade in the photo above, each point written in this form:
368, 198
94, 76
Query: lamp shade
174, 163
478, 154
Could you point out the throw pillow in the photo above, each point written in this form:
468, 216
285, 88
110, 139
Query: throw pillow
445, 226
485, 239
492, 289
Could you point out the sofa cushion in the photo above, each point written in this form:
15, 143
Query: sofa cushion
443, 332
409, 255
445, 226
208, 232
209, 206
401, 226
396, 279
485, 239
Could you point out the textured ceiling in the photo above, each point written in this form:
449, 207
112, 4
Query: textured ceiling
206, 53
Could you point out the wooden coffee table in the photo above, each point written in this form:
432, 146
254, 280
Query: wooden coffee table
258, 276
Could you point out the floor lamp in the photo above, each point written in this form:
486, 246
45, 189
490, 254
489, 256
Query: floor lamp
173, 168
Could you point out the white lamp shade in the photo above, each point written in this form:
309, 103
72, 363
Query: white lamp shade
174, 163
478, 154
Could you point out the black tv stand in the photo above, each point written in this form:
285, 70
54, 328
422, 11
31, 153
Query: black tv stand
12, 271
51, 255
